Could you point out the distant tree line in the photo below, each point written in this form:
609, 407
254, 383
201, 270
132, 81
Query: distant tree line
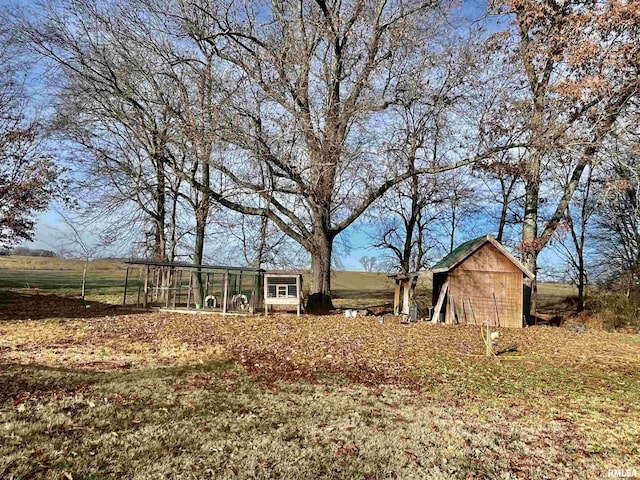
28, 252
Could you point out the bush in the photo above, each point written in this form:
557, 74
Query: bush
619, 311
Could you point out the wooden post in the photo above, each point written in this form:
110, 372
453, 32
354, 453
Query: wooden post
495, 303
168, 290
299, 293
139, 287
126, 282
84, 279
189, 291
436, 312
452, 310
405, 297
412, 292
226, 291
488, 339
176, 293
396, 298
146, 287
473, 315
156, 282
254, 298
222, 289
464, 313
266, 291
168, 283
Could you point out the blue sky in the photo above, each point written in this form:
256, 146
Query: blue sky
49, 223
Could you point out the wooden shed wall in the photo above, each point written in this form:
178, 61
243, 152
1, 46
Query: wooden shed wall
472, 286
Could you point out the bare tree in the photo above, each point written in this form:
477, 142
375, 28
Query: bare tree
319, 82
503, 186
579, 61
108, 104
616, 232
368, 263
571, 242
73, 240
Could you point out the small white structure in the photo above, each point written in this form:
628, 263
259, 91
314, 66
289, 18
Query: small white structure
282, 289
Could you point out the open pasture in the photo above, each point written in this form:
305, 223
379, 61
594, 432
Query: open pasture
105, 281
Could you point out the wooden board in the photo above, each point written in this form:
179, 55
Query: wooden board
480, 287
443, 293
396, 299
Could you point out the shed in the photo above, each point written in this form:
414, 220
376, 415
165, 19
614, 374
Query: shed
480, 280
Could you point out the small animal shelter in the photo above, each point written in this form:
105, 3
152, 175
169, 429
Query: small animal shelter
223, 289
480, 281
282, 289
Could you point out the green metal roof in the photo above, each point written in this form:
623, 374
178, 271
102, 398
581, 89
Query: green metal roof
459, 251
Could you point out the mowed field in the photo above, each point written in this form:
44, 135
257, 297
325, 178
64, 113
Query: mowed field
104, 392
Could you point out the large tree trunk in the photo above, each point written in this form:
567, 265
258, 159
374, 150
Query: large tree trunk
262, 246
529, 245
321, 247
202, 214
198, 253
581, 283
173, 236
160, 242
405, 263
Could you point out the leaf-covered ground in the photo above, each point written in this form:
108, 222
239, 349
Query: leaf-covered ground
201, 396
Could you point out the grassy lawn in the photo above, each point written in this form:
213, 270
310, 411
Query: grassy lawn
90, 390
200, 396
62, 277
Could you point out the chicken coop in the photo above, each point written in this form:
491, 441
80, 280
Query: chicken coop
188, 287
480, 281
282, 289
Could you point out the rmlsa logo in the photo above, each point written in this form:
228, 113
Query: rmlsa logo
622, 473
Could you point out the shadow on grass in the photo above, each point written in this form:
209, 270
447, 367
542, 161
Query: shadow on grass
22, 382
16, 306
19, 382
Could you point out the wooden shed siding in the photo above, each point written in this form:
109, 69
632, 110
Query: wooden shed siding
475, 281
473, 291
488, 259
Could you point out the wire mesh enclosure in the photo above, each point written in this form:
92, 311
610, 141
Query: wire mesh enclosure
233, 290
